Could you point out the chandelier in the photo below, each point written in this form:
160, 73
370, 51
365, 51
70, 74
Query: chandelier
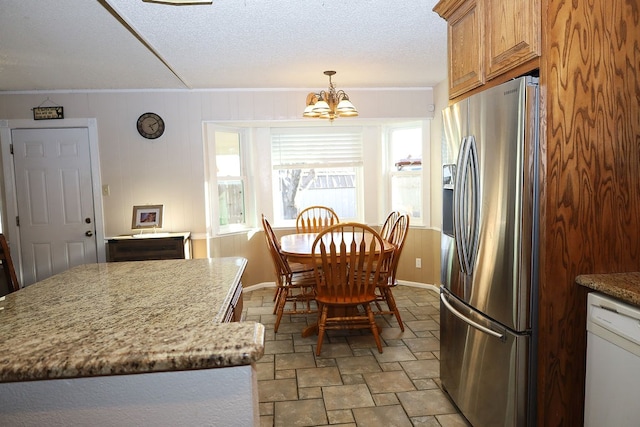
329, 104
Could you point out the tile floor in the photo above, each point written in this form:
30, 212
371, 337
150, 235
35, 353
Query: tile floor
351, 384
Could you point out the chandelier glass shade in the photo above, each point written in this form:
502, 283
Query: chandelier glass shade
330, 103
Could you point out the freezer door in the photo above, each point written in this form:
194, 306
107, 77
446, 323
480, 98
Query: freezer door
484, 371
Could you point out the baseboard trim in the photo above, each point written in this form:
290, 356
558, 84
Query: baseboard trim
434, 288
259, 286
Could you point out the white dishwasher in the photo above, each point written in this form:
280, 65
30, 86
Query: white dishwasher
613, 363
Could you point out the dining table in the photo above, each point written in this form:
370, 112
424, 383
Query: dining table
298, 248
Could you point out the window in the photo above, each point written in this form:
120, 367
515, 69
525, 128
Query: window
316, 166
360, 171
227, 181
405, 170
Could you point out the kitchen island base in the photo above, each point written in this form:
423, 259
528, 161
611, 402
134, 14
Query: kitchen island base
205, 397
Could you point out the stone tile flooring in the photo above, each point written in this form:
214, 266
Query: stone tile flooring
351, 384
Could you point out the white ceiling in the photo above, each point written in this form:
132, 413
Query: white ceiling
131, 44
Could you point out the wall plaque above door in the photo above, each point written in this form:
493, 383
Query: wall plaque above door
48, 113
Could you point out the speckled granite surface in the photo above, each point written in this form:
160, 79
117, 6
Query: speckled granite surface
624, 286
124, 318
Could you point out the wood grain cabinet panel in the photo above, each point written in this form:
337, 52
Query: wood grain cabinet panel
487, 38
465, 53
513, 34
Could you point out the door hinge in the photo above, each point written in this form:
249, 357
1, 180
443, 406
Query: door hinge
11, 147
17, 221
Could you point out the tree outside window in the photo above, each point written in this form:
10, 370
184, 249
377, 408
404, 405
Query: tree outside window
316, 167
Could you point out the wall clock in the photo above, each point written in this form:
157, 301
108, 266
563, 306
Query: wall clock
150, 125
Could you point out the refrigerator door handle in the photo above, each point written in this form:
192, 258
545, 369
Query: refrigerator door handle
458, 206
470, 322
475, 225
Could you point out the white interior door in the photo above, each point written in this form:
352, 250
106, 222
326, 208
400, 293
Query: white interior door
55, 200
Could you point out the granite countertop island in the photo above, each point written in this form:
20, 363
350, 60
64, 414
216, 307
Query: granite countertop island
104, 322
623, 286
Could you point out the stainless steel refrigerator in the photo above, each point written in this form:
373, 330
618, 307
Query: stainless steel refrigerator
489, 253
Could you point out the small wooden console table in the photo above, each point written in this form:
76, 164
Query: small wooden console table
149, 246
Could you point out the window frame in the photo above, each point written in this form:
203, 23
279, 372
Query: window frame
212, 181
355, 135
424, 173
373, 174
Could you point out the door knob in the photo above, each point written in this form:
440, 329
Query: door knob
87, 220
88, 233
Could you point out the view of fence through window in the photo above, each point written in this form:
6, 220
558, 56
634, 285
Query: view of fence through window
231, 202
334, 187
231, 206
316, 166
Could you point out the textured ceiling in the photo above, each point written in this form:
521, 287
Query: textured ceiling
131, 44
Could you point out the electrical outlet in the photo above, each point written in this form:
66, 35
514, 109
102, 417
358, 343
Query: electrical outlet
418, 263
106, 190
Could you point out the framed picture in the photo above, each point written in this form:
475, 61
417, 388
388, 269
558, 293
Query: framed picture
147, 216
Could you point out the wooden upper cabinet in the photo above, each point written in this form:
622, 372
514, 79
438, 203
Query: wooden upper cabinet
513, 34
487, 38
465, 35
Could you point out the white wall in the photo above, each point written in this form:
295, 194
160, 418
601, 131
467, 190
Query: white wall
170, 170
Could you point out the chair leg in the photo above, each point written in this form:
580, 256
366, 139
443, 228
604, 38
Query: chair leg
276, 298
391, 302
322, 321
381, 295
374, 326
280, 303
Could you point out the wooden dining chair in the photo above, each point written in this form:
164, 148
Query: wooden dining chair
347, 271
388, 224
294, 289
315, 219
7, 266
296, 267
397, 236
